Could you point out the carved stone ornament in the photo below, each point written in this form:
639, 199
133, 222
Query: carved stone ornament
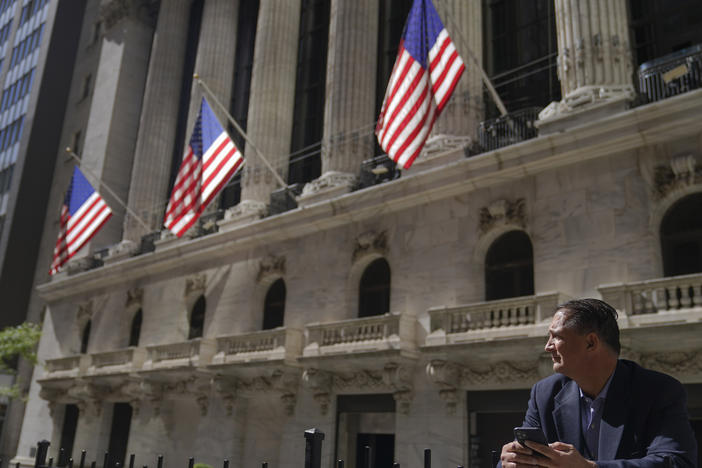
503, 212
399, 378
85, 313
501, 373
370, 242
195, 284
447, 376
271, 266
88, 397
679, 364
138, 391
683, 171
320, 383
135, 297
226, 390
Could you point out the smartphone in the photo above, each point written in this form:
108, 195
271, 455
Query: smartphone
533, 434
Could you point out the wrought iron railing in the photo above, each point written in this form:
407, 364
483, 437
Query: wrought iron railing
671, 74
508, 129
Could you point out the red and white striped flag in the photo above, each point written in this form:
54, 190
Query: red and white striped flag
425, 74
82, 215
210, 160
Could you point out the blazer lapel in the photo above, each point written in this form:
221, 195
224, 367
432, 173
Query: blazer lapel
566, 415
615, 413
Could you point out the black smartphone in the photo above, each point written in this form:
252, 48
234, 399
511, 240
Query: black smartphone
533, 434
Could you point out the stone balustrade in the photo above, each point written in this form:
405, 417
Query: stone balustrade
377, 333
677, 298
505, 318
66, 367
187, 353
119, 360
267, 345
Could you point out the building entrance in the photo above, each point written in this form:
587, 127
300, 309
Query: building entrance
365, 421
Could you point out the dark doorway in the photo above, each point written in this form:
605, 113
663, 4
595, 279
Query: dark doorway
119, 433
492, 416
68, 434
382, 450
697, 428
274, 306
509, 267
374, 290
681, 237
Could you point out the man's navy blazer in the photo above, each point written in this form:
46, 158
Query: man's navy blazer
644, 419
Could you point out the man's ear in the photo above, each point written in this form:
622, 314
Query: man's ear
592, 340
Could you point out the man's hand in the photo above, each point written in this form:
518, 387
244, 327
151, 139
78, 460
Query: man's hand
514, 455
558, 454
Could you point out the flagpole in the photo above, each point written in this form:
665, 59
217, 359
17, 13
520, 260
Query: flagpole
241, 132
486, 80
109, 190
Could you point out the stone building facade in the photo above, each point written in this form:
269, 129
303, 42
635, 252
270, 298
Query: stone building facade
399, 311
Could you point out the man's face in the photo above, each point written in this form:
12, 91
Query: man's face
568, 348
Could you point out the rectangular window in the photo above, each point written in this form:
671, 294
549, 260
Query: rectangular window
308, 115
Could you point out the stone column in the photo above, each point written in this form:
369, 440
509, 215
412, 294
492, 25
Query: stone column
464, 22
113, 123
271, 103
159, 117
594, 59
215, 57
348, 136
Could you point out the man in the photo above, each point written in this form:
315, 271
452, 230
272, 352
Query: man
598, 410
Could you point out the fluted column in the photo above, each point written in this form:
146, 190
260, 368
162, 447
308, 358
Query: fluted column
159, 116
271, 100
464, 23
348, 136
111, 132
215, 56
594, 56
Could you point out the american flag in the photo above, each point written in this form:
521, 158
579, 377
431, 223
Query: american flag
82, 215
210, 160
426, 71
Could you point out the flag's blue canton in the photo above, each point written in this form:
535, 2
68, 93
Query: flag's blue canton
209, 127
418, 41
196, 137
78, 192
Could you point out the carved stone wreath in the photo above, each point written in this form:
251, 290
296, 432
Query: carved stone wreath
370, 242
271, 265
503, 212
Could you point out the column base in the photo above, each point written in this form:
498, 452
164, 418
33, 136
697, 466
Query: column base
246, 212
583, 105
117, 252
330, 185
442, 149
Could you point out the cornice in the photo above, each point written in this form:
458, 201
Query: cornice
646, 125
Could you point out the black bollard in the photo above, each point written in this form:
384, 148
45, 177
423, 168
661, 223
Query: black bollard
427, 458
51, 462
82, 458
42, 451
264, 465
93, 464
159, 463
367, 461
106, 460
131, 460
340, 464
395, 465
191, 462
313, 448
226, 463
70, 462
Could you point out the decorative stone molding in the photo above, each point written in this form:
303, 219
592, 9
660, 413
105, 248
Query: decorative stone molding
447, 376
137, 391
370, 242
124, 249
364, 380
679, 364
226, 390
503, 212
134, 298
284, 382
88, 397
399, 378
320, 383
501, 373
195, 284
247, 209
683, 171
329, 180
438, 144
84, 314
271, 265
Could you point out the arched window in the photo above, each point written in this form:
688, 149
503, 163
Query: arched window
136, 329
274, 306
681, 237
197, 318
509, 267
374, 290
85, 338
